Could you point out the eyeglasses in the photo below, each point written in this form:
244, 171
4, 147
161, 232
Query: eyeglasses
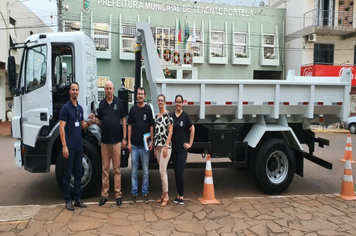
160, 100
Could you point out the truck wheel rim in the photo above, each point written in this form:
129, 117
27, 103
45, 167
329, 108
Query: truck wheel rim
277, 167
87, 172
352, 129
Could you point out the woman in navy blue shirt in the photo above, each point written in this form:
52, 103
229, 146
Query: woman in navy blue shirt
181, 125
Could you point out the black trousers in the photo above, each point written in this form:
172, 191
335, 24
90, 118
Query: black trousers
179, 159
73, 165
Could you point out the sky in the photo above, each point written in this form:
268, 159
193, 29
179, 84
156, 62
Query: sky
46, 10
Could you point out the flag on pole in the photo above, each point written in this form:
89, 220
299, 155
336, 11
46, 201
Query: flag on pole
194, 39
179, 33
186, 34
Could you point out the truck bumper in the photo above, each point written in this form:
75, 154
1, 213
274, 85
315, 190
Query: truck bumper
18, 154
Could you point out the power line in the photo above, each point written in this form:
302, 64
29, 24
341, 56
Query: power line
228, 46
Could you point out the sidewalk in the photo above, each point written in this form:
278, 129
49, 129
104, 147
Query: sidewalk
312, 215
330, 129
293, 215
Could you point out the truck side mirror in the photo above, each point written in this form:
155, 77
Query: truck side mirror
11, 68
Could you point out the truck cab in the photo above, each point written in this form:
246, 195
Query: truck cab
50, 63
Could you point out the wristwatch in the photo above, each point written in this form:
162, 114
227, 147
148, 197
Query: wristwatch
124, 139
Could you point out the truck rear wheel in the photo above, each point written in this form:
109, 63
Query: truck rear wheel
274, 166
91, 163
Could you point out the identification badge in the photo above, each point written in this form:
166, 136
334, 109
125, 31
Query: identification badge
181, 124
144, 117
76, 124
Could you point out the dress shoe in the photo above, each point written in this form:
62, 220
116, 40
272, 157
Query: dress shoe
69, 206
80, 204
164, 202
118, 201
160, 200
102, 201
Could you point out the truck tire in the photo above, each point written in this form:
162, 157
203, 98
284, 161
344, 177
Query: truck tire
274, 166
352, 128
91, 170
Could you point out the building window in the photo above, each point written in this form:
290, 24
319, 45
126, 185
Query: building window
164, 38
101, 36
217, 44
323, 54
165, 42
101, 86
129, 31
268, 46
12, 21
196, 47
71, 26
128, 38
240, 47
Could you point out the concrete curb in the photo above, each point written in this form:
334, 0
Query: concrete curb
343, 131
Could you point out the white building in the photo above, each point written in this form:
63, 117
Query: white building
320, 38
17, 22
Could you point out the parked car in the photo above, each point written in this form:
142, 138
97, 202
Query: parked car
350, 124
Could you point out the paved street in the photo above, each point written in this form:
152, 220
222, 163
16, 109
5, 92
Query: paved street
312, 215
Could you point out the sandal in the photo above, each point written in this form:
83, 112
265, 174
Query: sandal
164, 202
160, 200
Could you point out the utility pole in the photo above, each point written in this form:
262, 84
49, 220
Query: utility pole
60, 15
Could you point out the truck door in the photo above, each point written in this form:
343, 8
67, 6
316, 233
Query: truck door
37, 92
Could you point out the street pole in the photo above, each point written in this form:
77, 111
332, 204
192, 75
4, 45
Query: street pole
60, 8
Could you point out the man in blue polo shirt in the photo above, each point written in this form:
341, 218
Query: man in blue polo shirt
70, 125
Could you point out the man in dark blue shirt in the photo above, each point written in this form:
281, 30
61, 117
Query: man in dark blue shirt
70, 125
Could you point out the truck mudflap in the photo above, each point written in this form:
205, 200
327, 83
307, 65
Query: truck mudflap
18, 153
309, 156
300, 155
318, 161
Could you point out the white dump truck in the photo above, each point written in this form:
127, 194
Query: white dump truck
257, 124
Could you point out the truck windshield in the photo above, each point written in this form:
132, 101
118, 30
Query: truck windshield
36, 68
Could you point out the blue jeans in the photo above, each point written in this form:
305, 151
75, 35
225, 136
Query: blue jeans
73, 165
139, 154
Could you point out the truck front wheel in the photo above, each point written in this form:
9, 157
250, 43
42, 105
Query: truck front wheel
91, 163
274, 166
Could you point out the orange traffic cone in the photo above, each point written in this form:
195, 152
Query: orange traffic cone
348, 150
347, 189
208, 191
